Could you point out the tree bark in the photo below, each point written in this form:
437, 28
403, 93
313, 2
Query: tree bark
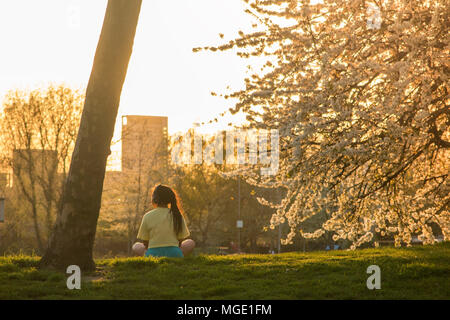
73, 237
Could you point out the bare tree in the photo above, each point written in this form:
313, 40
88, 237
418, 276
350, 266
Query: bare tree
38, 130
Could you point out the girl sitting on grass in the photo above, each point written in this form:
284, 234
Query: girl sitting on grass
163, 229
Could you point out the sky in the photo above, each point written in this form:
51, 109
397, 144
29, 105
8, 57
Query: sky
55, 40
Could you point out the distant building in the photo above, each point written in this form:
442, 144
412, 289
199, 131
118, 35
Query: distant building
144, 143
4, 182
37, 163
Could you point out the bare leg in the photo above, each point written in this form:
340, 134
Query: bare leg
187, 246
139, 249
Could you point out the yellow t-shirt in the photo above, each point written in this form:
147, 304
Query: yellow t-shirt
157, 228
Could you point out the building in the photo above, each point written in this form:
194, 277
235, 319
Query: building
36, 163
144, 143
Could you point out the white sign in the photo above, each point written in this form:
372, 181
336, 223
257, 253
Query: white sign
240, 224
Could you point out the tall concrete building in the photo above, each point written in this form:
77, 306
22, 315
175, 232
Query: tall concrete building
144, 143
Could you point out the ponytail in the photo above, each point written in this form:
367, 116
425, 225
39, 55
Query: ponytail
164, 195
176, 216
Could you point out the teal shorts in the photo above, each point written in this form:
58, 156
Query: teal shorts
171, 252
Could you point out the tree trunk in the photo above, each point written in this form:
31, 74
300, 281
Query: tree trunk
72, 240
37, 231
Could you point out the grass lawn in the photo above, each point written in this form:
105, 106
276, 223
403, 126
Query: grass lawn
421, 272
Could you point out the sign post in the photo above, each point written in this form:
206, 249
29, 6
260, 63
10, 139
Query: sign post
2, 209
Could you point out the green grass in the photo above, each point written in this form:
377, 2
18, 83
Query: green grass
421, 272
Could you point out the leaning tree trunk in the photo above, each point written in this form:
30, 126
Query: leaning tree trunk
73, 237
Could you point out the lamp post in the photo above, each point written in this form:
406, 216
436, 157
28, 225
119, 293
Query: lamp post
239, 222
279, 239
2, 209
279, 225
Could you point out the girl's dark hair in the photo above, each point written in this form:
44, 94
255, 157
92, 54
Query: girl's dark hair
162, 196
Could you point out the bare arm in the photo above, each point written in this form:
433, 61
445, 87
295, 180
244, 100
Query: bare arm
145, 242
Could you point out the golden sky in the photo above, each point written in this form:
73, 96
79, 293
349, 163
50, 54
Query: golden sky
55, 40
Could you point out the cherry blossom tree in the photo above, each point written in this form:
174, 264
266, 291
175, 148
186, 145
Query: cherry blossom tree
359, 93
